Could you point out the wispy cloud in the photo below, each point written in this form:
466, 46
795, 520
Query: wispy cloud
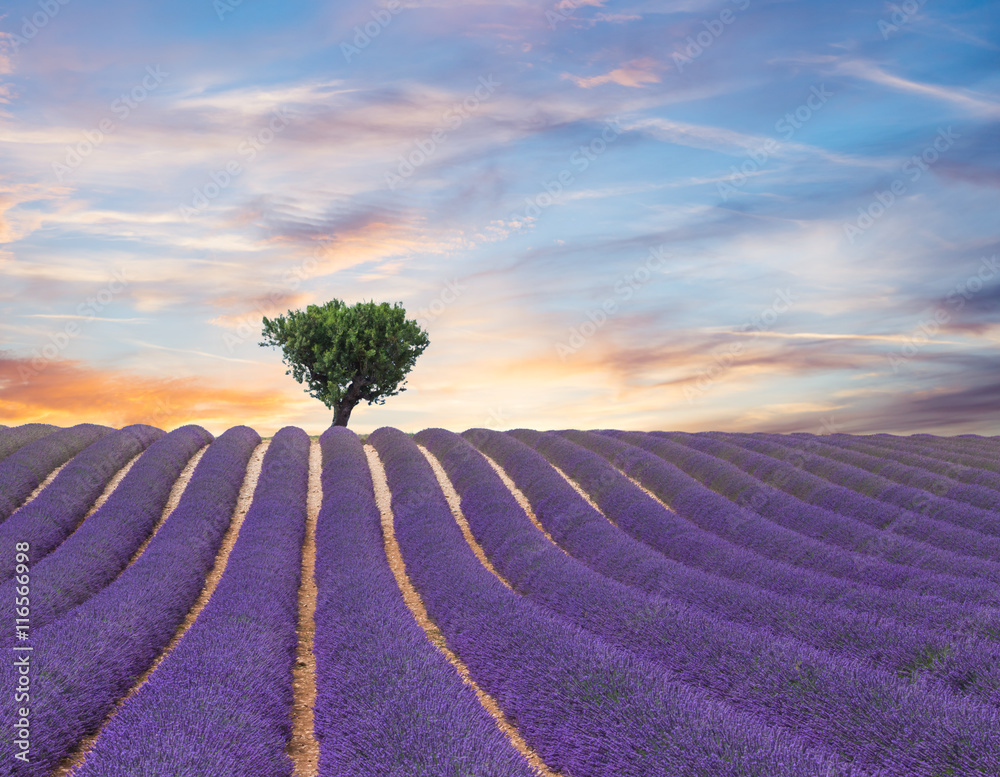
830, 336
75, 317
971, 101
189, 351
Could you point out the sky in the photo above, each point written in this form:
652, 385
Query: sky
736, 215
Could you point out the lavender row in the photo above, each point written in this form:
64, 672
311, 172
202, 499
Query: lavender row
969, 450
964, 666
22, 472
974, 462
964, 477
225, 692
387, 701
679, 537
925, 472
829, 493
96, 553
817, 696
12, 439
919, 508
987, 449
889, 561
941, 481
51, 516
587, 707
822, 574
85, 662
975, 455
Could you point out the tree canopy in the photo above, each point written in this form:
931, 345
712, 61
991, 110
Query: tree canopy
347, 354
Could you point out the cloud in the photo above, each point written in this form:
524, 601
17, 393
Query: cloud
948, 407
973, 102
979, 311
943, 393
734, 143
828, 336
73, 316
945, 410
6, 65
249, 312
16, 222
969, 173
188, 351
636, 74
68, 392
614, 18
337, 241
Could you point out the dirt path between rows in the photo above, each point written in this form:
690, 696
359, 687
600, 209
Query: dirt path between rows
109, 489
176, 491
455, 503
303, 748
593, 504
521, 499
647, 492
41, 486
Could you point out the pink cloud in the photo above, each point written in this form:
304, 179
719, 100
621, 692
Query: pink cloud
635, 73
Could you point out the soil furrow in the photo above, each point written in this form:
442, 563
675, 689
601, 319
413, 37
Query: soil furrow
521, 499
42, 486
173, 500
303, 748
109, 489
455, 504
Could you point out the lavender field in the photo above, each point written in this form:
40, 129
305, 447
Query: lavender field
491, 604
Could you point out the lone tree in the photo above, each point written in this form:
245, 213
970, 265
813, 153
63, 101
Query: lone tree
345, 354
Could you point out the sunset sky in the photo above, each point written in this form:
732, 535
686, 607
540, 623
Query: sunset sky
732, 215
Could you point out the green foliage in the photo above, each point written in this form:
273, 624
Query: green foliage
347, 354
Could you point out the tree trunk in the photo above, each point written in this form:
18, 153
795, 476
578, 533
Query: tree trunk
342, 413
